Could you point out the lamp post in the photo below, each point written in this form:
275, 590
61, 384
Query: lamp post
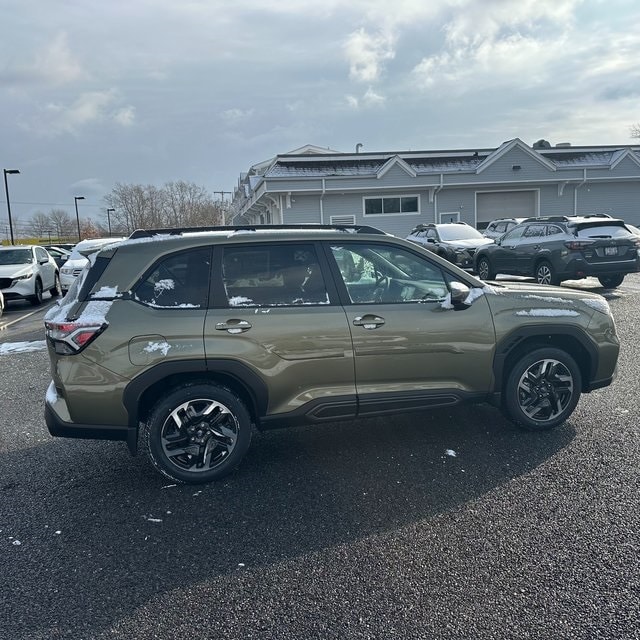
75, 200
6, 190
109, 219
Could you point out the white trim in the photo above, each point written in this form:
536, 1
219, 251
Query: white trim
389, 215
626, 154
392, 162
505, 148
449, 213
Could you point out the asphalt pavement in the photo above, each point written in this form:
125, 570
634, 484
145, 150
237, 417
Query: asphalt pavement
368, 529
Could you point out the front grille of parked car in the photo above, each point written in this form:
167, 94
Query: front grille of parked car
77, 272
5, 282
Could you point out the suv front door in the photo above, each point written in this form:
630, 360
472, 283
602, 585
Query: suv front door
409, 344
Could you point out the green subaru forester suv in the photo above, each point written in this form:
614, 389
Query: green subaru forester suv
186, 338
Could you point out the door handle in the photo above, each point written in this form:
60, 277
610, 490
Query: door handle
233, 326
369, 321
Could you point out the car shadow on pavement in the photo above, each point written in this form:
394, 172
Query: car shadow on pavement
102, 534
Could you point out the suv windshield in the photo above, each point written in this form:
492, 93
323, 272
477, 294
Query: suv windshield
16, 256
458, 232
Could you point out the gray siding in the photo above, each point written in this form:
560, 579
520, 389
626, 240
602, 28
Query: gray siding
304, 210
619, 200
462, 200
553, 205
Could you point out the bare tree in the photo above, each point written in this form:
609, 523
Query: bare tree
634, 130
61, 224
176, 204
40, 224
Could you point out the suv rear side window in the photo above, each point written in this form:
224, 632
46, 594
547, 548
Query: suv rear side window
180, 281
273, 275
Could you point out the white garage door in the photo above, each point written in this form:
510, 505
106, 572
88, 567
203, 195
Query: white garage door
504, 204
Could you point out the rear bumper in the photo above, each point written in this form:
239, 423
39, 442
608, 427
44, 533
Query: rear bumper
579, 266
61, 429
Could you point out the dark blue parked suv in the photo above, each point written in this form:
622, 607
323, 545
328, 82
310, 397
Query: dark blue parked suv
557, 248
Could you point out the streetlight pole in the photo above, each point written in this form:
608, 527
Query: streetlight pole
75, 201
109, 219
6, 190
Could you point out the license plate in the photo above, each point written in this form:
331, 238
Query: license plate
611, 251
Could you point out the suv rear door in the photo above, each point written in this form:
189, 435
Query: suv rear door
277, 317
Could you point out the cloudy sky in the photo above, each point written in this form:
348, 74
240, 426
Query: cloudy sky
149, 91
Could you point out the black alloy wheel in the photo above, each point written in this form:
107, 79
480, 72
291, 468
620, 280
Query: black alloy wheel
484, 269
198, 433
545, 274
542, 389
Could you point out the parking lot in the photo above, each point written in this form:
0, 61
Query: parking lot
448, 524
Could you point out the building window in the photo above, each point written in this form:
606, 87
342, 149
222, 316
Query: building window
399, 205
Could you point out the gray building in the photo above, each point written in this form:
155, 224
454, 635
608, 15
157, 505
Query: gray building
397, 190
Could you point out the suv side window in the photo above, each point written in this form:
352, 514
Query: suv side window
432, 234
273, 275
180, 280
514, 234
534, 231
553, 230
383, 273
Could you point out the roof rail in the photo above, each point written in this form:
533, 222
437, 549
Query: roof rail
548, 219
175, 231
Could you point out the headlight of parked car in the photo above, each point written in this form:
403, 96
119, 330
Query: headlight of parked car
66, 270
26, 276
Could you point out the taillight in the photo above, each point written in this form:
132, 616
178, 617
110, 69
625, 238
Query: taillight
578, 245
72, 337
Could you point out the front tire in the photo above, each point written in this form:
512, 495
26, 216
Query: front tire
56, 290
545, 273
485, 270
542, 389
36, 298
198, 433
611, 282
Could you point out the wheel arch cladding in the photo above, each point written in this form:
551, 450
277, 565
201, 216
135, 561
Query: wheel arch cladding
143, 392
569, 339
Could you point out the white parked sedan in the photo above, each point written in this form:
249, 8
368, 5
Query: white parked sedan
26, 271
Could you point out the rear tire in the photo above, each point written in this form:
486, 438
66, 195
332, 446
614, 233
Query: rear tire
611, 282
198, 433
485, 270
545, 274
542, 389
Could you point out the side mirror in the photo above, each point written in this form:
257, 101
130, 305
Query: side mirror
459, 293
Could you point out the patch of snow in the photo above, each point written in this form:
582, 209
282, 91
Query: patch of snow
17, 543
52, 395
599, 304
493, 291
240, 301
451, 452
158, 346
163, 285
95, 313
446, 303
474, 294
105, 292
59, 313
548, 313
546, 299
22, 347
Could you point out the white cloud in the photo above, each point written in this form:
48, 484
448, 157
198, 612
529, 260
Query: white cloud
366, 54
352, 102
372, 99
56, 64
235, 115
89, 108
125, 116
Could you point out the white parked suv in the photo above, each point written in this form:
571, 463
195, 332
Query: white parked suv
26, 271
77, 261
